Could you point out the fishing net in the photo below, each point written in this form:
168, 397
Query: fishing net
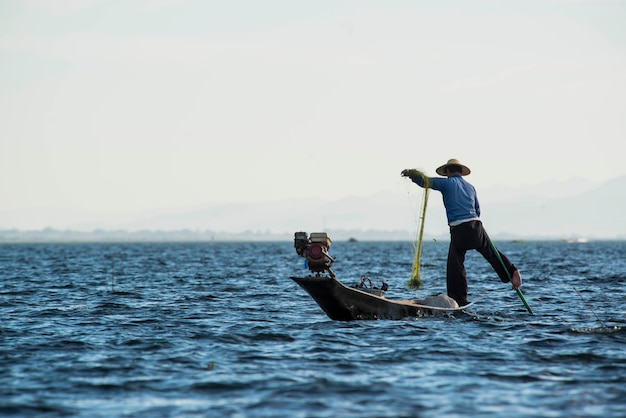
415, 282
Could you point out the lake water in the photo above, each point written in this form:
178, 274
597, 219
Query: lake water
219, 330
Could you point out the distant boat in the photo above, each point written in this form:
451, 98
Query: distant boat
576, 240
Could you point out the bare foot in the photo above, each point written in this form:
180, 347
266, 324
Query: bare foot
516, 280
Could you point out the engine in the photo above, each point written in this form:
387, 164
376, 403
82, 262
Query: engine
315, 249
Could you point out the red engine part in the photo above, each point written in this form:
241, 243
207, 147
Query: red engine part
317, 258
315, 251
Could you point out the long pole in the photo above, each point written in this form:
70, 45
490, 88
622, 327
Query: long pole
416, 280
519, 292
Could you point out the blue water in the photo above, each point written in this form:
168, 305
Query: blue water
219, 330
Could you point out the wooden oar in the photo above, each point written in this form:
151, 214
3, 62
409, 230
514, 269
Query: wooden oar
519, 292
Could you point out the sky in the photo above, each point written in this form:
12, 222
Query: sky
113, 109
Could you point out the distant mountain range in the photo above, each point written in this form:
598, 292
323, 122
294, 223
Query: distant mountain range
576, 209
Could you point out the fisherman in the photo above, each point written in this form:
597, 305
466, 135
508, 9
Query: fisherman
466, 228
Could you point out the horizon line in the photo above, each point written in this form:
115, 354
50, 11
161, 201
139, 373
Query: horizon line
51, 234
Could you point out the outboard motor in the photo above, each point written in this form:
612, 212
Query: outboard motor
315, 249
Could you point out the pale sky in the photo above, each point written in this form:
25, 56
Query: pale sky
115, 107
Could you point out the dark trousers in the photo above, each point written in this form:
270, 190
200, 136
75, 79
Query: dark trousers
471, 236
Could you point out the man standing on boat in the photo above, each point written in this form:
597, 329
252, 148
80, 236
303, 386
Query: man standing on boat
466, 228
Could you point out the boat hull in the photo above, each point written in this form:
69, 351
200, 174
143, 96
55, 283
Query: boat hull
343, 303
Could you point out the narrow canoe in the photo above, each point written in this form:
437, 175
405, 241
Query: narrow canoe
343, 303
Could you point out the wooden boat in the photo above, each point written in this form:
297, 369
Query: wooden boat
343, 303
362, 302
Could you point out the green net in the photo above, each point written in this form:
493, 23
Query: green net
416, 280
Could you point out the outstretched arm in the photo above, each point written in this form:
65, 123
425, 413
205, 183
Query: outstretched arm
416, 176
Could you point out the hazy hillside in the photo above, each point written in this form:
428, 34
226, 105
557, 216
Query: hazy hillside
552, 211
593, 213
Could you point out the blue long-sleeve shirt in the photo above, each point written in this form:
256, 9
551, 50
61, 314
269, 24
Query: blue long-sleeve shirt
459, 197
